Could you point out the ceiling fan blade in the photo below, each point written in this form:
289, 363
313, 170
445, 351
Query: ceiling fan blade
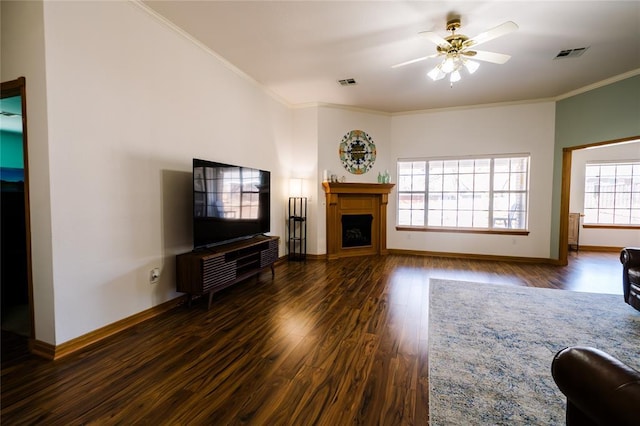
500, 30
481, 55
435, 38
413, 61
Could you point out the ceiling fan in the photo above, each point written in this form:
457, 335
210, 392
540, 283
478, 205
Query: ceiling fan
457, 50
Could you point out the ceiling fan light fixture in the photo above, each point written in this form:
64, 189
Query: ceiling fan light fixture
436, 73
457, 47
449, 64
471, 66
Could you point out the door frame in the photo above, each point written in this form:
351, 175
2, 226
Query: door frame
565, 194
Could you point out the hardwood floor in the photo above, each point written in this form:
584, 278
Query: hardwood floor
343, 342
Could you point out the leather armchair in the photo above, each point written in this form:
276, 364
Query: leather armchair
630, 259
600, 389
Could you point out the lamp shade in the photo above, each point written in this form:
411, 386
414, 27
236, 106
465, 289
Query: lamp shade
295, 187
436, 73
471, 66
448, 65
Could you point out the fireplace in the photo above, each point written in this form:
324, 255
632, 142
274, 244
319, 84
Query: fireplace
356, 218
356, 230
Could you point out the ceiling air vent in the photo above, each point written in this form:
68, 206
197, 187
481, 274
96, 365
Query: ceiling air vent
347, 82
571, 53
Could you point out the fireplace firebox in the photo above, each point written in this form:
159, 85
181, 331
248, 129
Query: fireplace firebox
356, 230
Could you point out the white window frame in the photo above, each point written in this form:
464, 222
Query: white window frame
485, 208
612, 193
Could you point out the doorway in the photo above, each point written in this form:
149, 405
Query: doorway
567, 155
16, 286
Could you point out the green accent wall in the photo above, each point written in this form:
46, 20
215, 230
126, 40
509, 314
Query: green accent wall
603, 114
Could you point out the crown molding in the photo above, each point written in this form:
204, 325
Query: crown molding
599, 84
476, 106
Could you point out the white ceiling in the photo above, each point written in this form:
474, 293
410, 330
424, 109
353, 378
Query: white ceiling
299, 49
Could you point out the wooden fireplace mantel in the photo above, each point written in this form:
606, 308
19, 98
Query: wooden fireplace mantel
356, 199
357, 188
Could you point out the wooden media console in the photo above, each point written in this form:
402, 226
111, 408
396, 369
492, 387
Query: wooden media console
210, 270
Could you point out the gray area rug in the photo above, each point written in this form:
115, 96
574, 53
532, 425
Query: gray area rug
491, 347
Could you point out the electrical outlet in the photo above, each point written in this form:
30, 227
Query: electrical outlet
154, 276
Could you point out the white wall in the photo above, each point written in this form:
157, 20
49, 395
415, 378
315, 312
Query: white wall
303, 163
333, 124
593, 236
506, 129
130, 103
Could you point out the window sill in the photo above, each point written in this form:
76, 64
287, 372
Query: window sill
609, 226
464, 230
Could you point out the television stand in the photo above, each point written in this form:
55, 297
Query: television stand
211, 270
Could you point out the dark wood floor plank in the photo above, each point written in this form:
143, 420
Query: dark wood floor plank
354, 378
374, 391
422, 385
341, 342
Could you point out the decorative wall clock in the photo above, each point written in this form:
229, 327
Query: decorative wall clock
357, 152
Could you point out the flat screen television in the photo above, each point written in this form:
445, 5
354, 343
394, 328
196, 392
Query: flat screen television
229, 203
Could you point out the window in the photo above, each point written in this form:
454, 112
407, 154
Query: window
612, 193
489, 193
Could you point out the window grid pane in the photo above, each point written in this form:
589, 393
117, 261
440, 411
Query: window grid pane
411, 193
478, 193
612, 193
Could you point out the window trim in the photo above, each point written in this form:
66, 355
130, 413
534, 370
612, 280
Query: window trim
495, 231
609, 226
468, 230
